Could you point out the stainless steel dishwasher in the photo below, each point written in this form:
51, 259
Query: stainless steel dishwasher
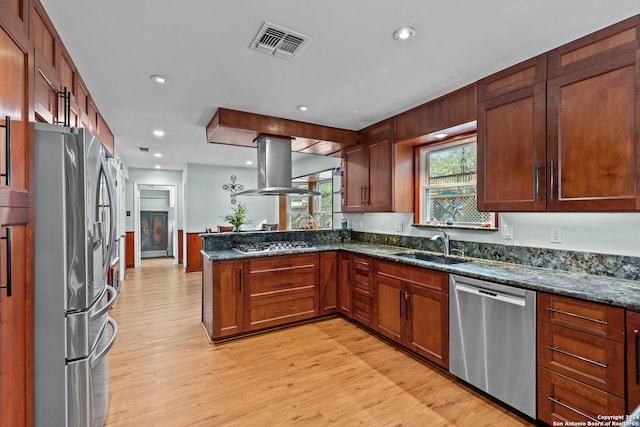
492, 340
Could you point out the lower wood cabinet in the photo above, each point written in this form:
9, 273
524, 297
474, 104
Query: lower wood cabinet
411, 306
581, 359
344, 285
328, 283
633, 360
222, 298
361, 282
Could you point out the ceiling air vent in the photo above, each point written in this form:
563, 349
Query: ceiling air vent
278, 41
143, 149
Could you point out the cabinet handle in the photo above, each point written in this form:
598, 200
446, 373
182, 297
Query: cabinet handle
590, 319
407, 305
7, 238
362, 194
7, 150
537, 177
283, 310
552, 181
366, 194
575, 356
564, 405
66, 103
635, 336
400, 299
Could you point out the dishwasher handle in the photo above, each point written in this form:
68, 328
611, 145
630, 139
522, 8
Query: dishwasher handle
488, 293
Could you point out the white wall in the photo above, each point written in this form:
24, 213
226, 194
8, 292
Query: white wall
154, 177
206, 201
607, 233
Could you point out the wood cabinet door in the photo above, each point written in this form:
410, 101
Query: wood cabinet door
14, 15
389, 307
356, 177
511, 151
16, 318
14, 134
328, 283
379, 190
427, 330
344, 285
592, 137
228, 288
633, 361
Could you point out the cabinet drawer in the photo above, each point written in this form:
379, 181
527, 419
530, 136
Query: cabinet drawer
361, 269
563, 399
362, 308
593, 318
269, 312
281, 263
270, 284
433, 279
596, 361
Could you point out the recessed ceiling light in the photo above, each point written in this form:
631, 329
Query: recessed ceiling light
158, 132
158, 155
157, 166
162, 80
249, 162
303, 107
404, 33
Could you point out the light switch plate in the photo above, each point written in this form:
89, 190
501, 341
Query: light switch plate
556, 235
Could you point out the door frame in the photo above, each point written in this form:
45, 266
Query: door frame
136, 218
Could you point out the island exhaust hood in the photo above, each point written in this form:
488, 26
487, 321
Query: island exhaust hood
274, 168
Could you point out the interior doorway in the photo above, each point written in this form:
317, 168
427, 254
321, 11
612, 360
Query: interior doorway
155, 231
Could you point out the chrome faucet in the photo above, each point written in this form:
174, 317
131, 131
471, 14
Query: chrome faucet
445, 241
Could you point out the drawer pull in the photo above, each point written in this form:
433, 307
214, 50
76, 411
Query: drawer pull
584, 359
283, 310
635, 336
564, 405
590, 319
283, 266
7, 150
284, 284
400, 295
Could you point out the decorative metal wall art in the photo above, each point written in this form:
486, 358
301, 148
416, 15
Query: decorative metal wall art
234, 188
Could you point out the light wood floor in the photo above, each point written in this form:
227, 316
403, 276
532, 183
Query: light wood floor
165, 373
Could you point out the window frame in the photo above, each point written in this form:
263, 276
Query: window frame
421, 154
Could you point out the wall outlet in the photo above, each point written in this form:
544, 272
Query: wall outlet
399, 226
506, 231
556, 235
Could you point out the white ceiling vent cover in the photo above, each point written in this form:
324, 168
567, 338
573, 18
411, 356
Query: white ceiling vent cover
278, 41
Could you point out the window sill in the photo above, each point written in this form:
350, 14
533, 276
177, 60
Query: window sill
456, 227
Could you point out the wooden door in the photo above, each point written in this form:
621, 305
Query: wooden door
14, 136
228, 291
633, 361
511, 151
356, 178
344, 285
427, 331
592, 137
328, 283
379, 191
16, 321
389, 307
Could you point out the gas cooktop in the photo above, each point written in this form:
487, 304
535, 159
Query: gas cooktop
271, 246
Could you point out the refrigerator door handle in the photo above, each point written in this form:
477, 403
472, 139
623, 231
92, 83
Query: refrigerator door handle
98, 356
113, 294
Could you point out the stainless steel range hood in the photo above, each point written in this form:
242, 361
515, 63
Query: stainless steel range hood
274, 168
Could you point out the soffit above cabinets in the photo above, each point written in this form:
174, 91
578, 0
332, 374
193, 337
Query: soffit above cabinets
240, 128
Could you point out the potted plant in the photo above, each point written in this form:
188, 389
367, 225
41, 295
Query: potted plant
238, 217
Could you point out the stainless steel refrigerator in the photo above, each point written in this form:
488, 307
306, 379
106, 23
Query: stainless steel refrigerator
75, 232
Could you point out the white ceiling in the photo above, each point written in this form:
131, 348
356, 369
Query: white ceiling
351, 72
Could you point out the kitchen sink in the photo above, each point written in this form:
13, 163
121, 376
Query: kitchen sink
440, 259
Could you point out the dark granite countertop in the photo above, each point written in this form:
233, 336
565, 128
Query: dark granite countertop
609, 290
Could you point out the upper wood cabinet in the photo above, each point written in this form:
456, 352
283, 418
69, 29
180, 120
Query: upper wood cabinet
15, 17
378, 174
567, 139
511, 138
